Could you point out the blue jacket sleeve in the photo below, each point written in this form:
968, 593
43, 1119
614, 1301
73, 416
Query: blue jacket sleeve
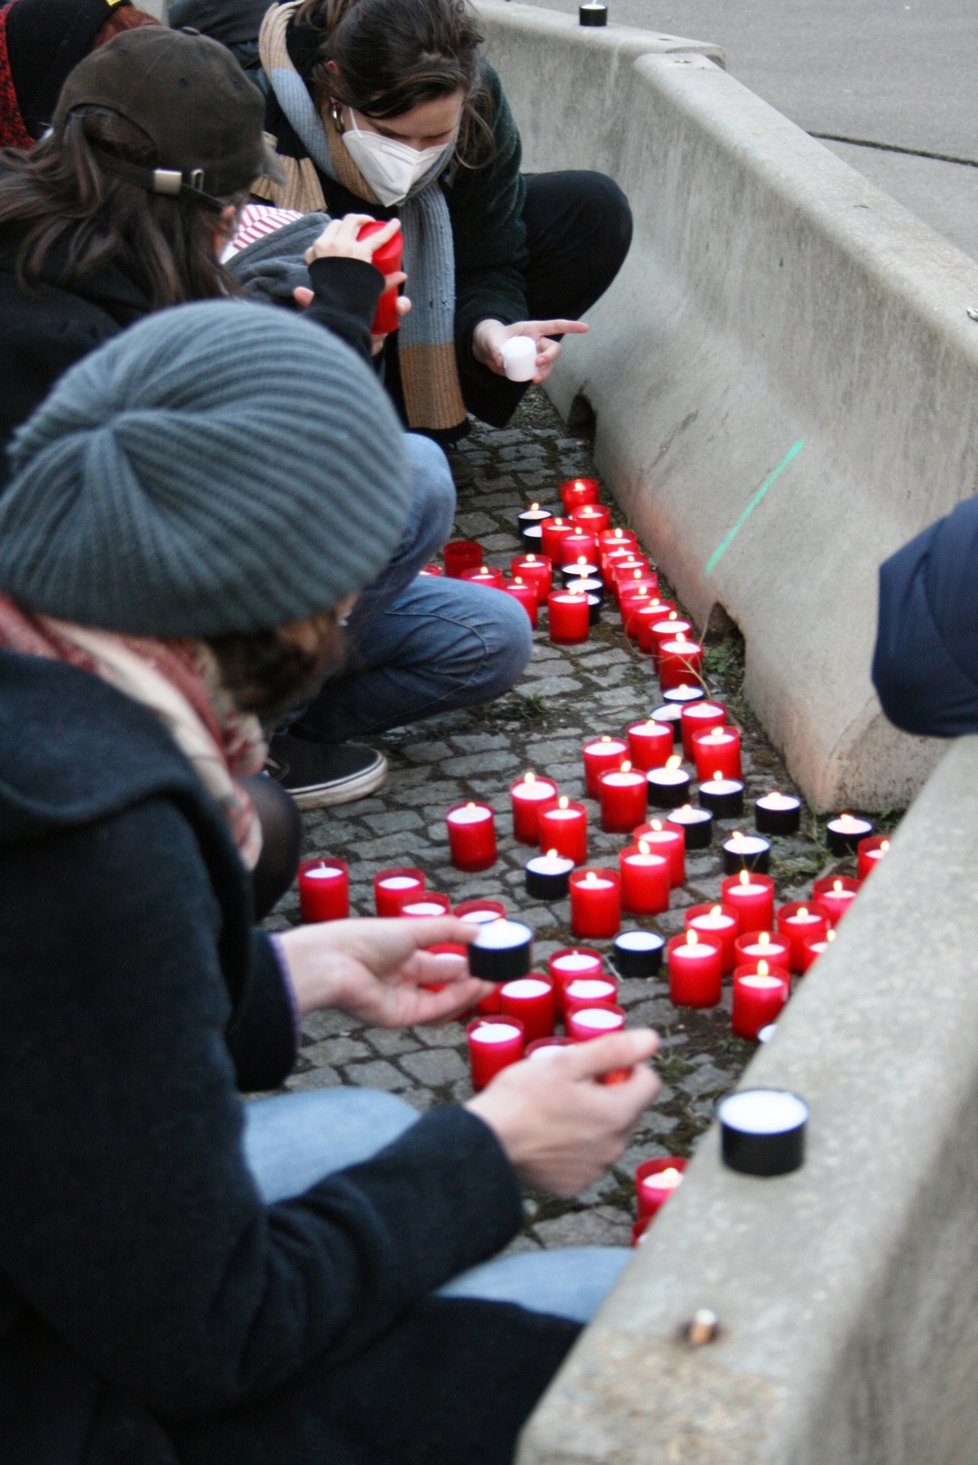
925, 666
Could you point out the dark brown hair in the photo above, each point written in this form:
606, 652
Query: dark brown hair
269, 672
71, 210
392, 55
122, 18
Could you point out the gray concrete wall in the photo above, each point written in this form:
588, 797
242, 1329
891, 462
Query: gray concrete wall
847, 1292
773, 298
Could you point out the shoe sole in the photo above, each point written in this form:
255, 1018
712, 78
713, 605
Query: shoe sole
347, 792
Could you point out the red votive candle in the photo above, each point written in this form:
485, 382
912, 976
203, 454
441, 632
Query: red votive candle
484, 575
443, 951
715, 923
662, 840
814, 947
494, 1043
870, 851
552, 531
461, 554
758, 998
835, 894
388, 259
563, 827
324, 889
656, 1181
650, 744
393, 888
471, 836
572, 962
528, 796
666, 629
620, 538
717, 753
479, 912
595, 901
680, 660
569, 617
601, 755
427, 905
578, 545
535, 569
751, 896
580, 992
695, 966
640, 618
531, 999
521, 590
799, 921
594, 517
753, 946
576, 492
699, 717
585, 1023
645, 879
623, 795
432, 570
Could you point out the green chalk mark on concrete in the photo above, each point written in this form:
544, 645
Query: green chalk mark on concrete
768, 484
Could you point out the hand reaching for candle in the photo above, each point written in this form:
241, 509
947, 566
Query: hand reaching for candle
560, 1129
339, 241
489, 335
373, 969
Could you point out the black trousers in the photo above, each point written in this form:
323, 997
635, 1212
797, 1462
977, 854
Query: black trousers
578, 228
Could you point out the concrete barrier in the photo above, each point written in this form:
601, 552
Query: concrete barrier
847, 1293
783, 377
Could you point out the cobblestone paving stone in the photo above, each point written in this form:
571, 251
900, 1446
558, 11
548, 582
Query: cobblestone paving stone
566, 695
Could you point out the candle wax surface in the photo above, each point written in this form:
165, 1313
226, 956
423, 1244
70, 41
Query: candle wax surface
500, 935
575, 962
327, 872
526, 987
588, 988
639, 941
495, 1032
399, 882
469, 816
597, 1017
763, 1111
760, 981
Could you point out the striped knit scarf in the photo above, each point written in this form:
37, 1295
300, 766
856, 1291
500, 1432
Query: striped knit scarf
426, 339
178, 681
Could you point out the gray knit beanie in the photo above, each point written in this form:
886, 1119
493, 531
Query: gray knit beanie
216, 468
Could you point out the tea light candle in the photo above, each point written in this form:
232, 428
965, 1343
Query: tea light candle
695, 967
392, 888
623, 796
777, 813
324, 889
528, 795
815, 946
484, 575
502, 951
662, 840
526, 594
547, 877
594, 517
429, 905
650, 744
696, 824
641, 617
578, 545
569, 617
601, 755
460, 555
686, 694
758, 998
670, 716
717, 753
757, 946
767, 1033
479, 912
698, 716
494, 1043
563, 828
581, 568
835, 894
552, 531
591, 590
581, 992
666, 629
798, 921
762, 1131
746, 852
645, 879
471, 836
655, 1181
724, 797
680, 660
595, 897
577, 493
574, 961
638, 953
544, 1047
845, 832
717, 924
870, 851
531, 999
668, 786
536, 570
519, 355
585, 1023
592, 13
432, 570
751, 896
610, 540
530, 521
444, 951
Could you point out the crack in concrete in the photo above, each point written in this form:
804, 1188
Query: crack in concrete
890, 147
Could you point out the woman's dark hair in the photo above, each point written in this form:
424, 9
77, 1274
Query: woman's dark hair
72, 210
269, 672
392, 55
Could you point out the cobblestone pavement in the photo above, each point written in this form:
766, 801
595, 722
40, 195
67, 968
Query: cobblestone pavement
566, 695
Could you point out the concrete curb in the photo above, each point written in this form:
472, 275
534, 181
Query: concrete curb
847, 1291
783, 377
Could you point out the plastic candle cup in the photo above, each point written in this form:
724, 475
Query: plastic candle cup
619, 538
685, 694
388, 259
757, 946
762, 1131
662, 840
638, 953
724, 797
715, 922
519, 355
595, 897
543, 1047
592, 592
835, 894
461, 554
592, 13
392, 888
585, 1023
815, 946
578, 992
431, 569
569, 617
442, 952
494, 1043
680, 660
595, 517
578, 545
641, 617
502, 951
844, 833
570, 962
746, 852
623, 796
717, 753
666, 629
526, 594
528, 795
471, 836
698, 715
547, 877
531, 999
870, 851
695, 966
535, 569
563, 827
582, 567
601, 755
486, 575
529, 521
324, 889
668, 786
575, 493
656, 1181
479, 912
758, 998
799, 921
696, 824
552, 531
670, 716
645, 879
751, 896
777, 813
426, 906
650, 744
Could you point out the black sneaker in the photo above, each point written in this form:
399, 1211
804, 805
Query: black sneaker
318, 775
463, 473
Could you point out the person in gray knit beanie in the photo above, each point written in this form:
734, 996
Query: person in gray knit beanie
217, 468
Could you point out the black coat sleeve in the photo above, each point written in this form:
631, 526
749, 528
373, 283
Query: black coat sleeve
925, 666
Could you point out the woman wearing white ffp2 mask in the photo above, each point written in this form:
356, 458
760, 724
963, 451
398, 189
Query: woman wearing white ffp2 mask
393, 168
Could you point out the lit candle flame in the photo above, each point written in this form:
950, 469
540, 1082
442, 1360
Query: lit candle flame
744, 877
529, 777
625, 766
675, 761
837, 886
590, 878
714, 911
830, 935
643, 848
717, 734
801, 913
657, 825
582, 559
691, 937
563, 801
551, 854
717, 776
531, 559
517, 580
884, 846
764, 938
762, 968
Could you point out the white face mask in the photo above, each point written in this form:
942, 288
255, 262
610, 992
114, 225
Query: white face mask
391, 168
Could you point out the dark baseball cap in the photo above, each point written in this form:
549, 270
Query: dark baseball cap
191, 98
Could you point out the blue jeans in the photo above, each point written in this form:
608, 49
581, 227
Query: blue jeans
294, 1140
418, 646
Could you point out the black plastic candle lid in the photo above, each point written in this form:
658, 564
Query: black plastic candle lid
502, 951
638, 953
762, 1131
546, 882
750, 852
592, 14
785, 820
